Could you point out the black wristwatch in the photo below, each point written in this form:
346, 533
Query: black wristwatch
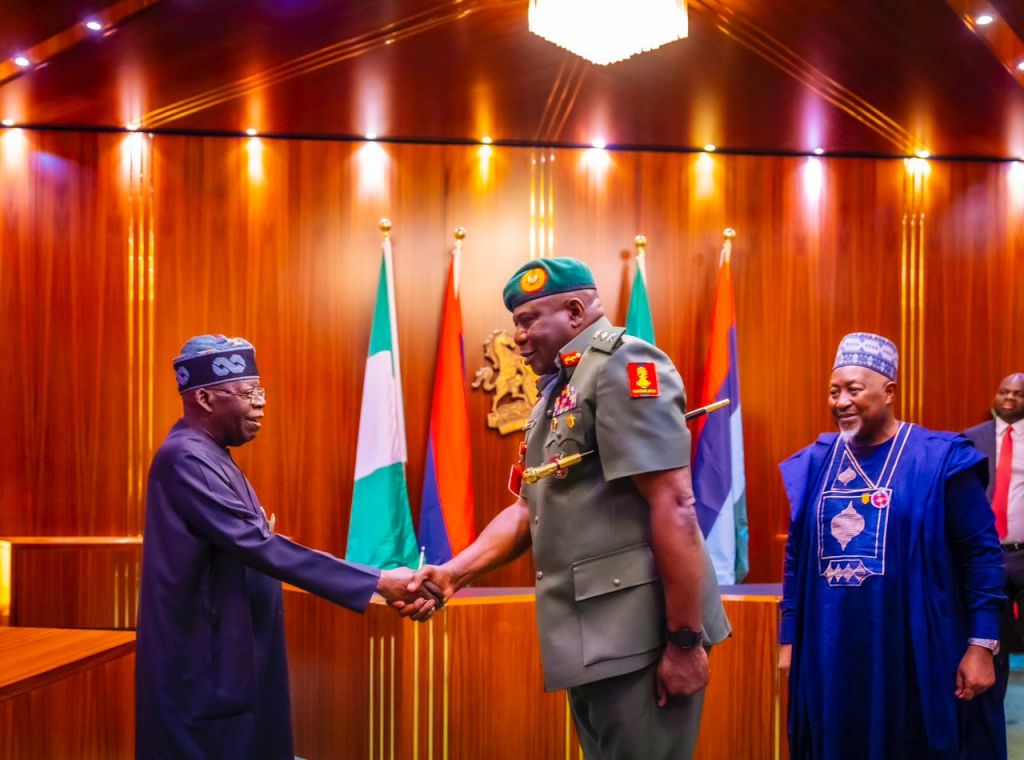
684, 638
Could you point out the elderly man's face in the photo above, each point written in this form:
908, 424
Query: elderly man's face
1009, 400
861, 402
237, 410
543, 326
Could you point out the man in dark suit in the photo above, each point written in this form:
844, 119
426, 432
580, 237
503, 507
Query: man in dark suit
1001, 439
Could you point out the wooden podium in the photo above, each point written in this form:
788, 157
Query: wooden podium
67, 694
468, 684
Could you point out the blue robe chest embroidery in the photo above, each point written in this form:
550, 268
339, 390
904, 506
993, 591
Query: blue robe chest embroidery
853, 515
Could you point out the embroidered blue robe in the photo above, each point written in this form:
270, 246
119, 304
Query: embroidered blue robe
211, 672
892, 563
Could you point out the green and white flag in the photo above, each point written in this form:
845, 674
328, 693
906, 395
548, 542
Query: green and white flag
639, 322
380, 532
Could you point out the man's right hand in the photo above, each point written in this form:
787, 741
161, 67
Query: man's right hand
785, 656
393, 586
435, 580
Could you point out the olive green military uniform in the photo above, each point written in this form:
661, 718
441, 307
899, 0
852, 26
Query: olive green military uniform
600, 604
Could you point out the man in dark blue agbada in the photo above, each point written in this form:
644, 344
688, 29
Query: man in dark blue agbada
211, 671
893, 582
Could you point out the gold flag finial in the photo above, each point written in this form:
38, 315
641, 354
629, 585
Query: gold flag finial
727, 237
385, 226
460, 233
641, 244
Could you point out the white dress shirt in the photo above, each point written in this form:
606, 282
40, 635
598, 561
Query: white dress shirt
1015, 508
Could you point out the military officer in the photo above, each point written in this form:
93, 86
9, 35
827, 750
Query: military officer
627, 601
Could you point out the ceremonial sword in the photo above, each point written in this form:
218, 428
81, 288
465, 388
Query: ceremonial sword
533, 474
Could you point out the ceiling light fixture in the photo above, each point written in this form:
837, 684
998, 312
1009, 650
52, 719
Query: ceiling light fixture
604, 32
710, 148
251, 132
486, 140
923, 153
818, 151
984, 19
1020, 66
93, 25
7, 122
132, 126
371, 135
22, 62
599, 144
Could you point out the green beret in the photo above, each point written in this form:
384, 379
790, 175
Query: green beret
545, 277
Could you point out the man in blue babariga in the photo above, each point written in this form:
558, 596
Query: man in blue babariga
211, 668
893, 582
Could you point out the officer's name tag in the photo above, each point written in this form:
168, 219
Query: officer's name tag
643, 380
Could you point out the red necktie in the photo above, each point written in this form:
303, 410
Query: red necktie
1001, 495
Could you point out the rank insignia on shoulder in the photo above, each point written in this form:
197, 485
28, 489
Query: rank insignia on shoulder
643, 380
571, 359
607, 340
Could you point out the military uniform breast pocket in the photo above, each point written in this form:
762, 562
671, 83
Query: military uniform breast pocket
619, 603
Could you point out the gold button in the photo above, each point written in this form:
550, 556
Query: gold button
616, 582
539, 575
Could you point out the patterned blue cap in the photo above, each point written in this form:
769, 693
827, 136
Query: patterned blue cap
214, 359
862, 349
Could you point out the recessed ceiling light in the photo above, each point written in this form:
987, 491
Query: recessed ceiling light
132, 126
22, 61
251, 132
818, 151
486, 140
93, 25
7, 122
922, 153
984, 19
599, 144
371, 135
710, 148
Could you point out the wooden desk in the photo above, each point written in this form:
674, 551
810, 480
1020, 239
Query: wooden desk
70, 581
468, 684
66, 694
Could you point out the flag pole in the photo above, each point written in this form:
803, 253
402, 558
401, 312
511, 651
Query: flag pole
460, 235
385, 227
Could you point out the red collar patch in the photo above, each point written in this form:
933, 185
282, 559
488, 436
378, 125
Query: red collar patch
571, 359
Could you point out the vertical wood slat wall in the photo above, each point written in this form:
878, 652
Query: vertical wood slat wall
277, 240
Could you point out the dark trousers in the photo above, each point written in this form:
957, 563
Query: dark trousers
619, 719
1009, 627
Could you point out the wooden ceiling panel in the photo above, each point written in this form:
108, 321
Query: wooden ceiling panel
754, 75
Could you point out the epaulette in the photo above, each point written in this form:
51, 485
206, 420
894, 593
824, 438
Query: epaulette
607, 340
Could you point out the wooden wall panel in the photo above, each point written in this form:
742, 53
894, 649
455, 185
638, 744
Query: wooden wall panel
73, 582
63, 229
277, 240
974, 261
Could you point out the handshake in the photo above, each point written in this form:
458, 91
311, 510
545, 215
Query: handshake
417, 594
